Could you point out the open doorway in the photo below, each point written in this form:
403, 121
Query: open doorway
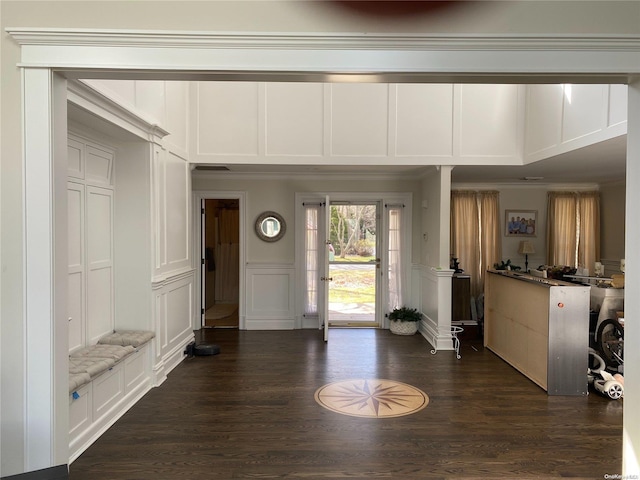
354, 264
220, 263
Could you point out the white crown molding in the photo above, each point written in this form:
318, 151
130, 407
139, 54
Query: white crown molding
331, 57
322, 40
107, 108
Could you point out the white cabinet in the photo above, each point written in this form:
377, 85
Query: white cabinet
97, 405
90, 210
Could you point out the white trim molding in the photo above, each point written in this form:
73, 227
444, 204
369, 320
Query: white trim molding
334, 56
101, 106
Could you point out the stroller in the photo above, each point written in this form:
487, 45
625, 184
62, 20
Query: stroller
606, 361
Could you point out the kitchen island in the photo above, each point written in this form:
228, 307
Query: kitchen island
539, 326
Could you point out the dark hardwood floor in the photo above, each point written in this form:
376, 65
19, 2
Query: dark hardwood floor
249, 412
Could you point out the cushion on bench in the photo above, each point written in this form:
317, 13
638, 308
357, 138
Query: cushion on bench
76, 380
92, 365
135, 338
115, 352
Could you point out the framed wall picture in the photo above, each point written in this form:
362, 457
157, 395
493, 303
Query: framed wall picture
521, 223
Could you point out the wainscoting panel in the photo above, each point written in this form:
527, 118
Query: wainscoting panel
171, 186
436, 123
294, 119
359, 119
490, 121
227, 118
173, 303
424, 120
177, 214
270, 297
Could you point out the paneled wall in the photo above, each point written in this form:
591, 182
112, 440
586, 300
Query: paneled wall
236, 122
154, 280
162, 103
561, 118
171, 190
90, 210
270, 291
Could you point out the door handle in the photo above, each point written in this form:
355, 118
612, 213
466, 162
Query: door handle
326, 279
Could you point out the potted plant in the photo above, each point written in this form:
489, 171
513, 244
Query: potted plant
404, 320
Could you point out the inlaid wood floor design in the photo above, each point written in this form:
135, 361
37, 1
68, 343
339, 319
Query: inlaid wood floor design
372, 398
250, 413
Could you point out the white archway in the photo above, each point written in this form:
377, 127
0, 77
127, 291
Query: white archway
50, 55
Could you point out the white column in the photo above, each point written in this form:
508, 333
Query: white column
631, 439
45, 263
445, 216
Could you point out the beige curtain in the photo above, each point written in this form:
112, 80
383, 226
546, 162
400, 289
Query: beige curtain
490, 234
589, 231
573, 229
562, 239
475, 233
394, 218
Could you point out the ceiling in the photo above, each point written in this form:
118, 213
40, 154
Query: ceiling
601, 163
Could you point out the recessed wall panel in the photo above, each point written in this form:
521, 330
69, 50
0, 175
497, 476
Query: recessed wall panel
489, 120
617, 104
294, 119
99, 225
150, 98
359, 119
177, 203
99, 164
75, 225
424, 120
543, 109
177, 101
178, 319
75, 310
75, 161
270, 293
227, 118
99, 303
583, 110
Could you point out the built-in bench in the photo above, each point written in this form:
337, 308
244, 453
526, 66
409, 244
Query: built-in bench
105, 380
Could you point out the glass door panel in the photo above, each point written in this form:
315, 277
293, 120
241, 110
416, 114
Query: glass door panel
354, 264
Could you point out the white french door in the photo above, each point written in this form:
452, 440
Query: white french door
326, 279
358, 288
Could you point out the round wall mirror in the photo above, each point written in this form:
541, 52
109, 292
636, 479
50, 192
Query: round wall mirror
270, 226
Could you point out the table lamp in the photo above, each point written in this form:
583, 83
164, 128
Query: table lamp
526, 247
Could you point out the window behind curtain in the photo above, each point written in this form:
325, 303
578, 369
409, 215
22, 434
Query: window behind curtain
311, 254
394, 216
573, 229
475, 233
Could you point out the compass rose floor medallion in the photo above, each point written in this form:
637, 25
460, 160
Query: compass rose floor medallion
372, 398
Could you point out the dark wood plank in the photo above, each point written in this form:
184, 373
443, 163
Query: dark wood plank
249, 412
